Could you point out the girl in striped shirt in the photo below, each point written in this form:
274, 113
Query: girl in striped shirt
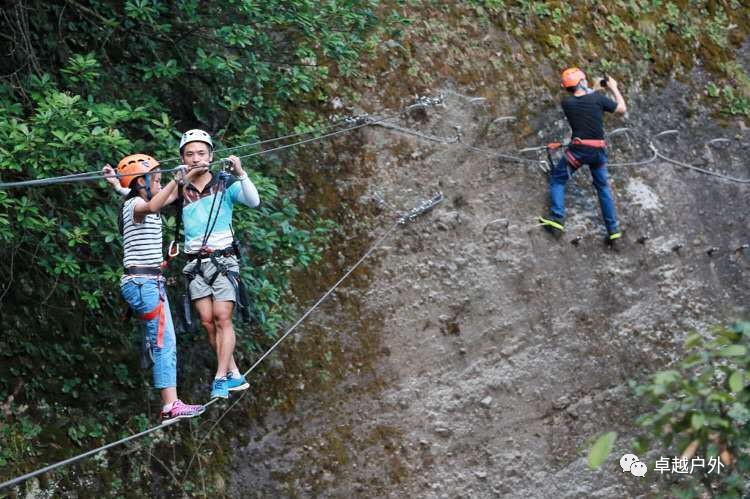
142, 284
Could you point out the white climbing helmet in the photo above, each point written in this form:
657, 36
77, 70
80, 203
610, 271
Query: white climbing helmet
195, 135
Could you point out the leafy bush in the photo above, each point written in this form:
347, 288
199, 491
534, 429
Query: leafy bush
701, 410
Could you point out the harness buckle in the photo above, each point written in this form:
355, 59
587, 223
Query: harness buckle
174, 249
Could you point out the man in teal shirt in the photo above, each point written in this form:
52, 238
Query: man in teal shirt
213, 267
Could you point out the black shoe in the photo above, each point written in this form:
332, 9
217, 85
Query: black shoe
553, 226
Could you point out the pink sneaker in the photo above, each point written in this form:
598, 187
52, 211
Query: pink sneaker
181, 410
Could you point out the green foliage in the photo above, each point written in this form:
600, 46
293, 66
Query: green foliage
601, 449
701, 408
17, 432
89, 85
637, 42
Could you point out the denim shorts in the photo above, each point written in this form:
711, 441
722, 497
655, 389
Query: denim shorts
143, 295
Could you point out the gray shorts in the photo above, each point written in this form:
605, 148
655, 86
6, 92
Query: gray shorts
222, 289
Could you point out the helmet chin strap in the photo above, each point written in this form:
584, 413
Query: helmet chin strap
147, 178
583, 86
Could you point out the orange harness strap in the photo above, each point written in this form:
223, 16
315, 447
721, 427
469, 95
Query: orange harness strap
157, 311
601, 144
572, 160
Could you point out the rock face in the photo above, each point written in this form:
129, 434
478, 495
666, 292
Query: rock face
483, 355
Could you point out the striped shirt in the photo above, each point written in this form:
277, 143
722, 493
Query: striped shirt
142, 242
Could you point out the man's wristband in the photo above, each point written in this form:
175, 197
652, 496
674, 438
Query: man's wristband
242, 177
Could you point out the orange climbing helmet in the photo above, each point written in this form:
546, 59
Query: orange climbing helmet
571, 77
134, 166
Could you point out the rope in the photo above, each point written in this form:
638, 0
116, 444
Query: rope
424, 101
98, 175
268, 141
432, 138
68, 179
79, 457
703, 170
656, 154
90, 176
78, 177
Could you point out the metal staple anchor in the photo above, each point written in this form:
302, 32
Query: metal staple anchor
425, 101
712, 250
576, 240
642, 239
357, 119
459, 132
677, 247
422, 208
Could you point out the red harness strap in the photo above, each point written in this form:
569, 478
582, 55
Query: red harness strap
158, 310
574, 163
600, 144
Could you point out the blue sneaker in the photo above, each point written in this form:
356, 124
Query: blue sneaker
236, 384
219, 388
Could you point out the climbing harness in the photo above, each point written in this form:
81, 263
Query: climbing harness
572, 160
242, 299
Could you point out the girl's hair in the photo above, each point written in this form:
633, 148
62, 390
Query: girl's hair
133, 193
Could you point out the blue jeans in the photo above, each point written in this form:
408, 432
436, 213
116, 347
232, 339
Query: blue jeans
143, 295
596, 158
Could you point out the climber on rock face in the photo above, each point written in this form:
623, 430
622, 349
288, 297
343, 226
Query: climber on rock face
584, 109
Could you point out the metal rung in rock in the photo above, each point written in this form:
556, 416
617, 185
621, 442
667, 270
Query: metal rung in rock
357, 119
422, 208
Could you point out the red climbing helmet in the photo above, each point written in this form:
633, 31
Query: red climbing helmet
134, 166
571, 77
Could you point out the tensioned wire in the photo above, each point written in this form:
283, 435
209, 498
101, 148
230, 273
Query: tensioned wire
98, 175
268, 352
87, 176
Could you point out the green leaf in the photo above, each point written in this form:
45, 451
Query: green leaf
601, 449
666, 377
697, 420
736, 381
739, 413
733, 351
692, 340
